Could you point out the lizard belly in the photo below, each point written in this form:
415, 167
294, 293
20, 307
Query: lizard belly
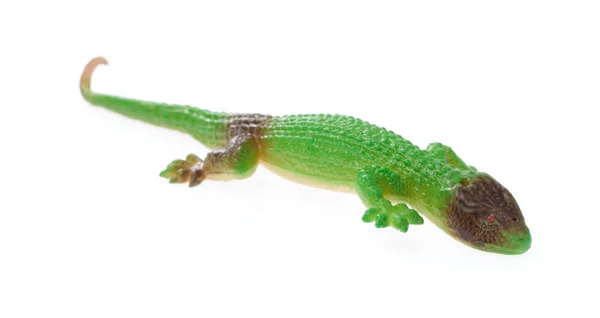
324, 151
310, 180
311, 162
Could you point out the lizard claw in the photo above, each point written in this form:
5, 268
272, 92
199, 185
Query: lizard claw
399, 222
398, 216
182, 171
370, 215
381, 220
411, 215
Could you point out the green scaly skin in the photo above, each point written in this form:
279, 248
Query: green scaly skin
345, 154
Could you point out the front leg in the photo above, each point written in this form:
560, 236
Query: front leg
448, 155
237, 161
372, 184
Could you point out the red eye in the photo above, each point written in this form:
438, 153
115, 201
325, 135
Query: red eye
490, 218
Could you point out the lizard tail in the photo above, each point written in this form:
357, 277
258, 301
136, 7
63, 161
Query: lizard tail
210, 128
86, 76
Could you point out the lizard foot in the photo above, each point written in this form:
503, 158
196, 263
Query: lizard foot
182, 171
398, 216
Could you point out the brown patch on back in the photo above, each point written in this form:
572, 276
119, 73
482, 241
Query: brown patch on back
247, 124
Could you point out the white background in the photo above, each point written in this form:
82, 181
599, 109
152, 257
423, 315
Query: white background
88, 229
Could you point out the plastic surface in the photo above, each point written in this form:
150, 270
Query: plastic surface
346, 154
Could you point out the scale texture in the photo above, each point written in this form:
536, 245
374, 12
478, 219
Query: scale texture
397, 181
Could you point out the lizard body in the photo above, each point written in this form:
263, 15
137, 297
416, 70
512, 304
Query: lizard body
345, 154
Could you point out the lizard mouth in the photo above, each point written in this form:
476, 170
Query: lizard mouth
514, 243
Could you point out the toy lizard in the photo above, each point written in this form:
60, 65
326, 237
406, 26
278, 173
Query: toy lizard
340, 153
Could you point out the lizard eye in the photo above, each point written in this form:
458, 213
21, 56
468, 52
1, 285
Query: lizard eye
490, 218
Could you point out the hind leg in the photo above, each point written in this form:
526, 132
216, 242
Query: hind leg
236, 161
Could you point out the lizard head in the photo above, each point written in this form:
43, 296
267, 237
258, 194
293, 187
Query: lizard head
483, 214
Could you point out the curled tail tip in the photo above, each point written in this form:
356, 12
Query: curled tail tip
86, 76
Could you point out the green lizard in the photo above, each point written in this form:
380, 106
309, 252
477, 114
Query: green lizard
345, 154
